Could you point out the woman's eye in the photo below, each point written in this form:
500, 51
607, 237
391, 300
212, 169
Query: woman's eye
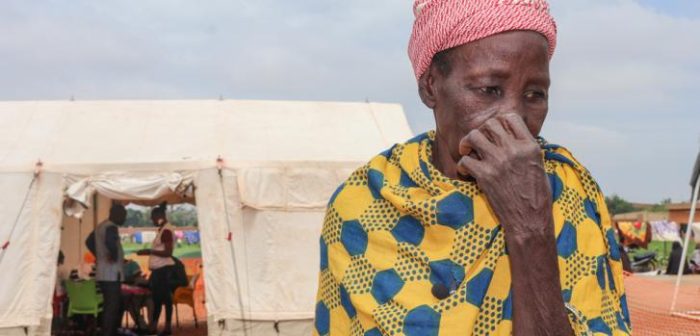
536, 95
491, 90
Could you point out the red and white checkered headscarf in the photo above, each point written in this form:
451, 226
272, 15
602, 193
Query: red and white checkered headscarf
444, 24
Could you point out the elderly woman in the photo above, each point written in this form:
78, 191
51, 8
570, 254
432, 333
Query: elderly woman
479, 227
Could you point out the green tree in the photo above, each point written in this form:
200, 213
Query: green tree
136, 218
661, 206
617, 205
183, 215
178, 215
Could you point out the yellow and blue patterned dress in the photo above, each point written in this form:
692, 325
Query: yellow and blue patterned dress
398, 229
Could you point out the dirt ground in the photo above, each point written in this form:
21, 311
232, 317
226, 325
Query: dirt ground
649, 300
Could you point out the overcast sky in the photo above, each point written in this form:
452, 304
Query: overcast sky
624, 99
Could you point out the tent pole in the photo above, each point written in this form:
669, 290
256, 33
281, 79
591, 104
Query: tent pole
80, 246
94, 211
681, 267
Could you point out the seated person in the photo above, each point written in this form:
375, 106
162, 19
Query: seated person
133, 276
695, 261
135, 293
674, 260
60, 296
87, 269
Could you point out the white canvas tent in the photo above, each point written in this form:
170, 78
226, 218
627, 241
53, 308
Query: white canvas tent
259, 214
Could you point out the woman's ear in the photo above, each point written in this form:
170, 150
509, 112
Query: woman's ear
426, 88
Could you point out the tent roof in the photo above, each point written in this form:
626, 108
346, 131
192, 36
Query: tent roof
186, 131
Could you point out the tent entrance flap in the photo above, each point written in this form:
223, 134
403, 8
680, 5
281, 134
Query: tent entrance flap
142, 188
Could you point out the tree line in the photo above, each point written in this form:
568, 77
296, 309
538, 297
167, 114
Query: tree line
178, 215
617, 205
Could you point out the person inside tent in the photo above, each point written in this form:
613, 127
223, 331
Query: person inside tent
105, 245
481, 226
135, 295
59, 294
161, 265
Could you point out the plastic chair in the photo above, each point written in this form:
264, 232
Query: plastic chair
185, 295
83, 298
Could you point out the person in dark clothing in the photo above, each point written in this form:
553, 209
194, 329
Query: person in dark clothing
161, 265
105, 244
674, 260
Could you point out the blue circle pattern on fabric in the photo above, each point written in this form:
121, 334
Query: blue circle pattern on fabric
624, 310
406, 181
591, 211
614, 246
446, 272
425, 170
621, 322
566, 295
455, 210
335, 194
375, 180
324, 254
353, 237
597, 325
608, 270
600, 272
557, 186
373, 332
477, 287
566, 242
508, 307
408, 230
385, 285
346, 303
421, 321
323, 319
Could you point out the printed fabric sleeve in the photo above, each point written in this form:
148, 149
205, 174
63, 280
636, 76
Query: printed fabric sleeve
612, 317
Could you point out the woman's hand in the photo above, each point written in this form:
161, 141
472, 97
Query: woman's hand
143, 252
506, 162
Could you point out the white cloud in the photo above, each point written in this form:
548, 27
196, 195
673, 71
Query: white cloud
623, 97
629, 70
624, 54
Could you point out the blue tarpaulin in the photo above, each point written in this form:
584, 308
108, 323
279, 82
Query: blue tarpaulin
138, 238
192, 237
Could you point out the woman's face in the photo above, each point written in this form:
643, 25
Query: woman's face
504, 73
157, 220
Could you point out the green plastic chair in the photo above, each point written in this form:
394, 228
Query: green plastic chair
83, 298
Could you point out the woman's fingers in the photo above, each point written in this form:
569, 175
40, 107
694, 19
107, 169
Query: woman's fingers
470, 167
516, 125
495, 131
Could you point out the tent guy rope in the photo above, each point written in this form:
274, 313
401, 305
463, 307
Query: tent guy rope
37, 171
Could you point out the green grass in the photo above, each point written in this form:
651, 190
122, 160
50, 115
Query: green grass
181, 251
663, 250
